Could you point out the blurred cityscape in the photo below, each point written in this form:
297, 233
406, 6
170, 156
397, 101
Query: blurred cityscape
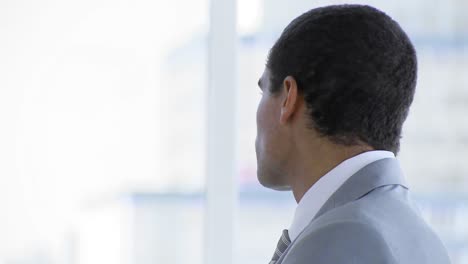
145, 214
435, 135
435, 138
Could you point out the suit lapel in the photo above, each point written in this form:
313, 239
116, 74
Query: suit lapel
376, 174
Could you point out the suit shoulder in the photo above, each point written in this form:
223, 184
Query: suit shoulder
341, 242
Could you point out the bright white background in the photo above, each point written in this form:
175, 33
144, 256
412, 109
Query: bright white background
80, 118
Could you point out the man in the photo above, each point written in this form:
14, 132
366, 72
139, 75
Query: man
337, 88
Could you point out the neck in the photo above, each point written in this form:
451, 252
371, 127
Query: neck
308, 167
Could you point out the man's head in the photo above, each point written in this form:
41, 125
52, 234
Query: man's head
341, 76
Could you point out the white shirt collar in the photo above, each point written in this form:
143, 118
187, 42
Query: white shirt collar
319, 193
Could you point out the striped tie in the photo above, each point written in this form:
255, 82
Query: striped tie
283, 243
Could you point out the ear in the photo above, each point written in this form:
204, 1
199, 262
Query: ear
289, 102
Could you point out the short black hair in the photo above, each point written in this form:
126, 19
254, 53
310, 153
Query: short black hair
356, 69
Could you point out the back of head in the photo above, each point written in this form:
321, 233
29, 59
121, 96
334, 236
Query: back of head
356, 69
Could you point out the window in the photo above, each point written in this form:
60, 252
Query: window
434, 143
102, 118
105, 136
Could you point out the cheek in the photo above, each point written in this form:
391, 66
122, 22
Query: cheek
260, 126
265, 124
258, 110
260, 113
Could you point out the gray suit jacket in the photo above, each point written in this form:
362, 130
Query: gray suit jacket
370, 219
